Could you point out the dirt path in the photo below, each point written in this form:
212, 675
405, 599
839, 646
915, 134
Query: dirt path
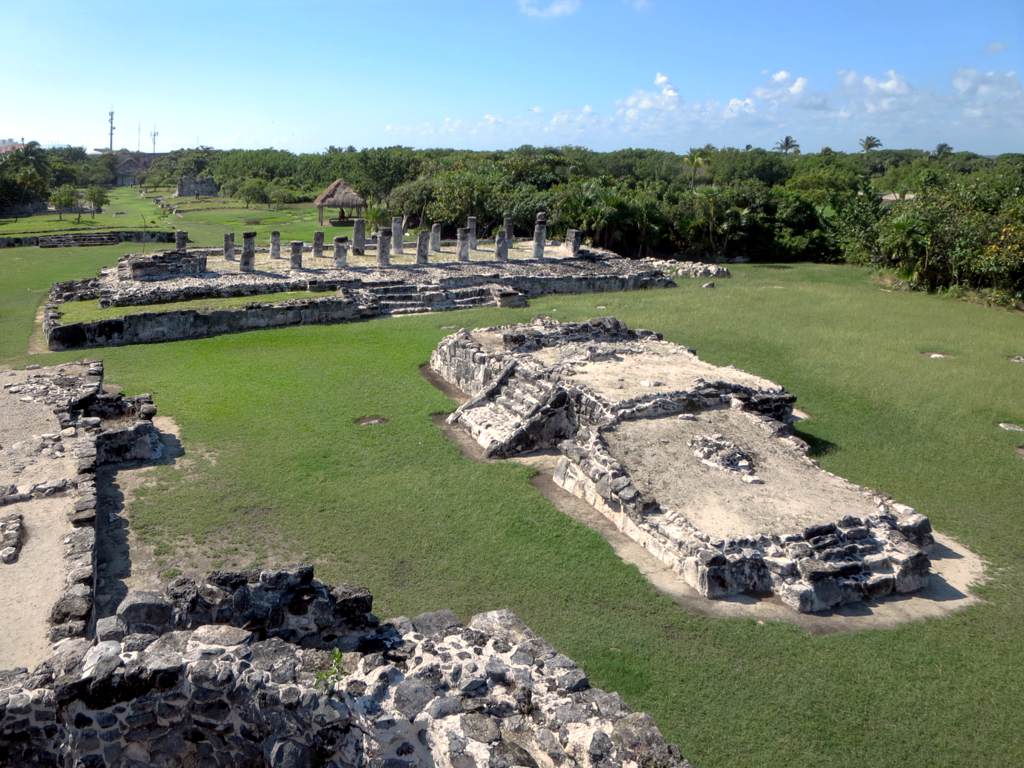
31, 585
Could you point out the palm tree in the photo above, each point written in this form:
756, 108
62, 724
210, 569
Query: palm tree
787, 144
694, 160
870, 142
943, 149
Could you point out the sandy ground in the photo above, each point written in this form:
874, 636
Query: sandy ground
31, 585
660, 368
794, 494
954, 567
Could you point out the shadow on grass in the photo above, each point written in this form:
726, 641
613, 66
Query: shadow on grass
818, 446
771, 266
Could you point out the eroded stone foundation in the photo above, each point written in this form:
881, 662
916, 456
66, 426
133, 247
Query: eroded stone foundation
695, 462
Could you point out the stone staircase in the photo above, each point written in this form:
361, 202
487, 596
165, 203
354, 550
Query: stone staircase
78, 239
511, 416
405, 298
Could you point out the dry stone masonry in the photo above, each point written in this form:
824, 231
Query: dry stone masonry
261, 667
695, 462
344, 292
238, 671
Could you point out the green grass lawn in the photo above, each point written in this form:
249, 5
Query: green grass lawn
84, 311
280, 465
206, 219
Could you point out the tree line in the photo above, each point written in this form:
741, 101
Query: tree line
939, 217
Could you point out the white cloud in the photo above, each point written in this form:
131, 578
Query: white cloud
549, 10
781, 76
996, 46
977, 109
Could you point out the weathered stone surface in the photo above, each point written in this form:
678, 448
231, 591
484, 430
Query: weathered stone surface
383, 247
180, 240
340, 252
318, 244
471, 232
540, 234
500, 247
296, 254
435, 237
229, 246
422, 247
275, 245
397, 235
694, 462
358, 237
247, 263
487, 694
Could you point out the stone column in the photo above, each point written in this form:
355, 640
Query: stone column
471, 226
180, 240
573, 239
229, 246
500, 247
540, 234
509, 231
296, 254
340, 252
318, 244
248, 261
384, 246
422, 246
462, 243
435, 238
396, 235
275, 245
358, 237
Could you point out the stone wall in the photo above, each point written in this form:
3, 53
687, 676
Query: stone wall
161, 266
408, 692
190, 186
79, 239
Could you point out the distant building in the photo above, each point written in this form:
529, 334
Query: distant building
130, 167
9, 145
190, 186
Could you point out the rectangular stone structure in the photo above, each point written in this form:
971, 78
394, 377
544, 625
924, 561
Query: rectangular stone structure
509, 231
229, 246
471, 226
500, 247
435, 238
275, 245
296, 254
397, 235
340, 251
573, 239
318, 245
422, 246
180, 240
248, 261
358, 237
462, 243
540, 234
384, 247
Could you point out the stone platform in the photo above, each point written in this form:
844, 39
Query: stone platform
695, 462
346, 293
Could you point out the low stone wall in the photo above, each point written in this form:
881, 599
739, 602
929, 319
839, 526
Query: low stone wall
151, 327
180, 276
97, 428
86, 238
409, 692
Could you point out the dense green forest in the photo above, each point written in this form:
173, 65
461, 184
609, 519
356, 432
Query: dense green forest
958, 220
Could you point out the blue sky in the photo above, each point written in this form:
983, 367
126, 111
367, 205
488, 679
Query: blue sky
500, 73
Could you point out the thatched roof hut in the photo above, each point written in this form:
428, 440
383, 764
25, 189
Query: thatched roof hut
341, 196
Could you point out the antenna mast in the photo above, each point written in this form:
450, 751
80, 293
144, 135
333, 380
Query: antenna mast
111, 121
153, 136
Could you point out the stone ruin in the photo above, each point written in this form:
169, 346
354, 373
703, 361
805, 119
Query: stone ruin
261, 667
697, 463
348, 292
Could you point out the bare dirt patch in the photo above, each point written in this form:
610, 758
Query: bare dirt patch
31, 585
